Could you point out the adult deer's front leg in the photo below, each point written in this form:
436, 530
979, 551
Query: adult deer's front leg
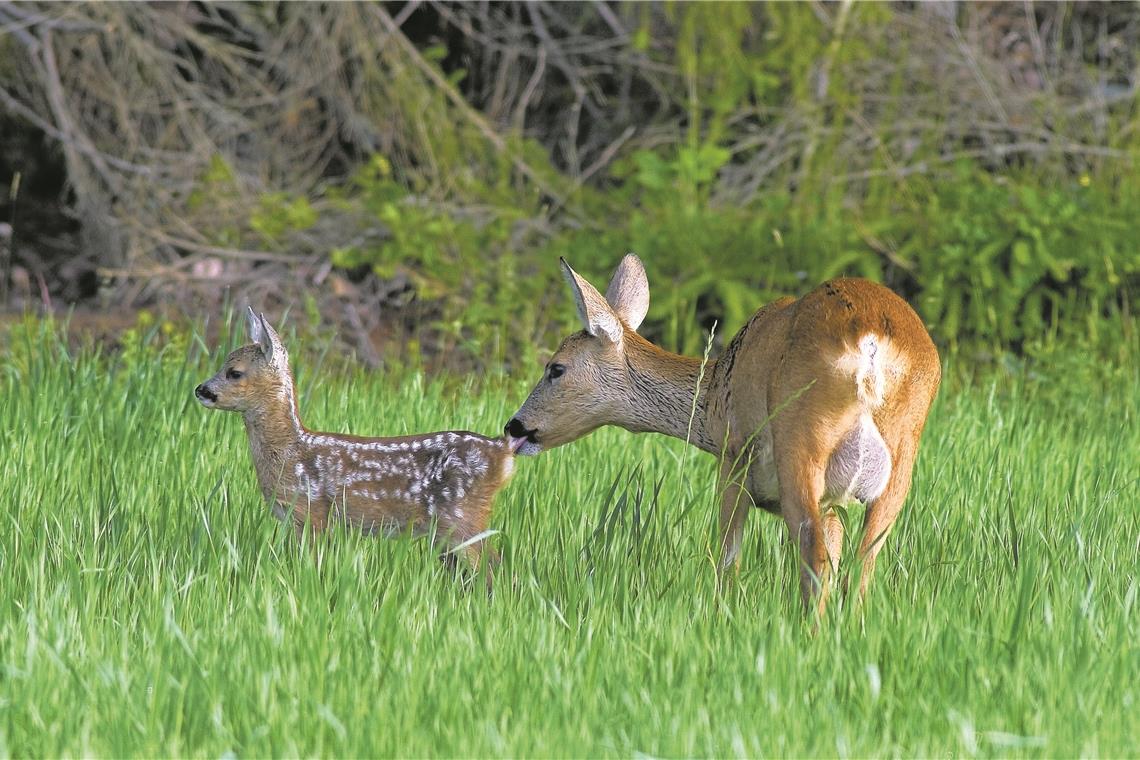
734, 506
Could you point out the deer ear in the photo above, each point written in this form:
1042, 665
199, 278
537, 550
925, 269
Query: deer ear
628, 293
596, 315
268, 340
253, 324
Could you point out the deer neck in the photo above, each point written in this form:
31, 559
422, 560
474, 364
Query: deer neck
275, 432
668, 394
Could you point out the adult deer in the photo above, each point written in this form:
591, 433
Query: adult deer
815, 402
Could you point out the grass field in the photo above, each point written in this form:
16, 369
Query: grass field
149, 604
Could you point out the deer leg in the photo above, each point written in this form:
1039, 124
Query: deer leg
819, 412
734, 505
312, 516
799, 502
883, 511
482, 554
801, 457
475, 555
833, 540
460, 530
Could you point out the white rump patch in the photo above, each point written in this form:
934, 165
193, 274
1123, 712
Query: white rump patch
868, 365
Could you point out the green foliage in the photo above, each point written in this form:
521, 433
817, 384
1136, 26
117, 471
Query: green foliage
702, 260
213, 201
1014, 261
151, 605
989, 262
993, 257
445, 256
280, 213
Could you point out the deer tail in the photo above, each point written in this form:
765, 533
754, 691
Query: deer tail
865, 362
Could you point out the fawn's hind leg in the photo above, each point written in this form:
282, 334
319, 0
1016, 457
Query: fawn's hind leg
466, 536
478, 558
313, 516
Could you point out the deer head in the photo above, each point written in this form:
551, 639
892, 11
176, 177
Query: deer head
253, 376
587, 383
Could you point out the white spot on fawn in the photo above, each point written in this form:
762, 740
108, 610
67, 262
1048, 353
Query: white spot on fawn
432, 472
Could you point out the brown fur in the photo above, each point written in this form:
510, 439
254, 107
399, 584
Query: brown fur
774, 407
378, 485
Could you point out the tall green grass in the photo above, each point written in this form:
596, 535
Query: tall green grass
149, 604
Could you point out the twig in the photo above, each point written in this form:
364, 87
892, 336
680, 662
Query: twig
363, 341
602, 160
10, 246
984, 83
47, 128
72, 138
611, 19
606, 155
528, 92
457, 100
213, 250
995, 151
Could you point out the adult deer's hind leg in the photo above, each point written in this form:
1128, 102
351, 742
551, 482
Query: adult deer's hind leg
804, 435
883, 511
900, 423
833, 540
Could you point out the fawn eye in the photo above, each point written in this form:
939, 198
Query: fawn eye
233, 374
556, 370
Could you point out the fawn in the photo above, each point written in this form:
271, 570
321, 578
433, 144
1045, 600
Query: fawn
814, 403
379, 485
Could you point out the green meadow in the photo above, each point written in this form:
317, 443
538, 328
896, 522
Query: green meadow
150, 604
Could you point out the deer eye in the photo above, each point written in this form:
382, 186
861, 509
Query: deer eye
233, 374
556, 370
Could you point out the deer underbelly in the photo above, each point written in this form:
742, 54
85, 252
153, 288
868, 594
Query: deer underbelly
763, 483
859, 467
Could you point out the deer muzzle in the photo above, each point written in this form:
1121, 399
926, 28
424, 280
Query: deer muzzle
522, 440
205, 396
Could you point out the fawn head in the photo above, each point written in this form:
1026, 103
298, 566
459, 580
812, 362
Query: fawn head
586, 384
252, 375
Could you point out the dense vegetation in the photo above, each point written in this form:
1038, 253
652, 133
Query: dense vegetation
426, 163
414, 171
152, 607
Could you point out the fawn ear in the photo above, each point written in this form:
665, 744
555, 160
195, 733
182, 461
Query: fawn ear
257, 332
628, 293
596, 315
253, 324
270, 342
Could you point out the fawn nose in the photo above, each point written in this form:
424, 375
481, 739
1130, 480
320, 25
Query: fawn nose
205, 393
516, 429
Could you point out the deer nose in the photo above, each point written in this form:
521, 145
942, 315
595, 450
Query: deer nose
516, 429
205, 393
